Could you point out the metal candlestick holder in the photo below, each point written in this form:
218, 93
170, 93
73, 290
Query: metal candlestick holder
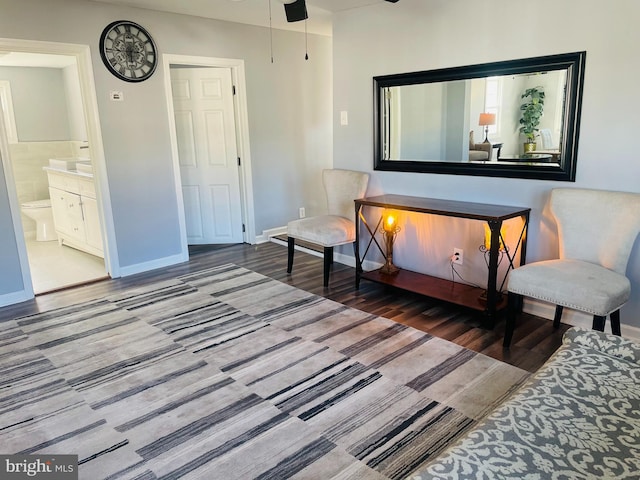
389, 233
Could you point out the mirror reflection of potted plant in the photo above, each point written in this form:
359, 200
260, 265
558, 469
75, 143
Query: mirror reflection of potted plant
532, 110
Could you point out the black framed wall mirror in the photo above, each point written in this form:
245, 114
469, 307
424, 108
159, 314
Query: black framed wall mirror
467, 120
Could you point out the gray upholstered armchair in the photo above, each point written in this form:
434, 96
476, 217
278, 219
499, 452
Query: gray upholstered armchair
596, 230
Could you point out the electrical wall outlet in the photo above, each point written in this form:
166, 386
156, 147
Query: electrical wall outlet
458, 256
302, 212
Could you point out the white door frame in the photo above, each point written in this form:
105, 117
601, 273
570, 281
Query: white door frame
94, 137
242, 137
14, 207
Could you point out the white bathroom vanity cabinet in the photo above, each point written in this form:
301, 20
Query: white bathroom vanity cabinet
75, 210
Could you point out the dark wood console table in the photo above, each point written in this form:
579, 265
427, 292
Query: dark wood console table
442, 289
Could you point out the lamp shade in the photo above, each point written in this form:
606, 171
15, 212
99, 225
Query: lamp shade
487, 119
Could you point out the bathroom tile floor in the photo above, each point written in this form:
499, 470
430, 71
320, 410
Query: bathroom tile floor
55, 266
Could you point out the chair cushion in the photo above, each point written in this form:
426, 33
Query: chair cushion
325, 230
572, 283
478, 155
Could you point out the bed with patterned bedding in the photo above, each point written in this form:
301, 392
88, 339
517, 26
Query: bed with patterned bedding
578, 417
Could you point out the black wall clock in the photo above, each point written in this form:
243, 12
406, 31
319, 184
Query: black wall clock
128, 51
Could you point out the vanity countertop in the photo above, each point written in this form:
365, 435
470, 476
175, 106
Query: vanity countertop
73, 173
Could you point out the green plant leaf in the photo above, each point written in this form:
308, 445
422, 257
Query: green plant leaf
532, 110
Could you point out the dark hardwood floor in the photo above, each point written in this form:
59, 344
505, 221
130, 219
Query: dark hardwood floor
534, 340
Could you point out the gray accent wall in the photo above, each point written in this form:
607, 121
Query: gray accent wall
289, 107
39, 102
10, 272
294, 119
414, 35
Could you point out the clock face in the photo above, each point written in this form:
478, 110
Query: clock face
128, 51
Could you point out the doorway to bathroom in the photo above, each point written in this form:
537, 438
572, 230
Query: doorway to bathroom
46, 135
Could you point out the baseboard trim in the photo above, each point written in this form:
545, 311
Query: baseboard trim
153, 265
351, 262
271, 232
14, 297
575, 318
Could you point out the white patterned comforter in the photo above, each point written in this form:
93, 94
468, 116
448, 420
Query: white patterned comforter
578, 417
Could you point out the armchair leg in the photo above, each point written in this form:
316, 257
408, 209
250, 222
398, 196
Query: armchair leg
328, 260
520, 304
615, 323
557, 316
598, 322
291, 247
513, 303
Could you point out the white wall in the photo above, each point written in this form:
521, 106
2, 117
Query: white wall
289, 104
414, 35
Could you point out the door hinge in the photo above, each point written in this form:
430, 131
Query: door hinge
239, 162
243, 229
233, 89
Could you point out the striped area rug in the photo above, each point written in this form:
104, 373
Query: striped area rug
228, 374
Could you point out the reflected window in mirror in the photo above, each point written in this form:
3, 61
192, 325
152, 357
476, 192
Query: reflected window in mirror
492, 103
437, 121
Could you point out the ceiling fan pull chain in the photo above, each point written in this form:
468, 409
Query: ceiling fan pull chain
270, 33
306, 45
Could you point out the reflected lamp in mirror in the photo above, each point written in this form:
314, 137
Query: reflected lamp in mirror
422, 120
485, 120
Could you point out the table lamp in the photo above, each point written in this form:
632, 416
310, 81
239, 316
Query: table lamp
390, 229
485, 120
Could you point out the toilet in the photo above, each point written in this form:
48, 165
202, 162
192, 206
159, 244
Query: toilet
41, 212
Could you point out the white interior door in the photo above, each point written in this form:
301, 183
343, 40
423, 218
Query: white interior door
207, 151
